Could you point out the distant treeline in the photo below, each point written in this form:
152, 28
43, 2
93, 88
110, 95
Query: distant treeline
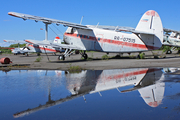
16, 45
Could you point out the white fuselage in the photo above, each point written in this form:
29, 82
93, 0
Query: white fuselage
107, 41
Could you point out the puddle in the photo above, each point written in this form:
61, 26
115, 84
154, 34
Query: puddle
141, 93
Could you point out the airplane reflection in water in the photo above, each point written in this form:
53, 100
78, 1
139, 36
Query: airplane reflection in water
148, 81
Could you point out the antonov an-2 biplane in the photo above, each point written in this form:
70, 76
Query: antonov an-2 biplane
35, 48
171, 38
148, 35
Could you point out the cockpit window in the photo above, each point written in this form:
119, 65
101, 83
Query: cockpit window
71, 30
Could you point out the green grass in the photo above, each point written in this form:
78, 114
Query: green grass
75, 69
142, 55
38, 59
105, 57
166, 48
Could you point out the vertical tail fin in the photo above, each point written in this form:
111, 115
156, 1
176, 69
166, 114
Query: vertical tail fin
151, 22
57, 40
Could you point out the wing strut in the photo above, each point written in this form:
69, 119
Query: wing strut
46, 31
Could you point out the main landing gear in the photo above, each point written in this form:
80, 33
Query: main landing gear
84, 55
69, 52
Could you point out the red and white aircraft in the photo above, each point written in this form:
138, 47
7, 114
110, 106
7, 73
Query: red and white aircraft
30, 47
148, 35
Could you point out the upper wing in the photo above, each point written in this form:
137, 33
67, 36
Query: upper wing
14, 41
75, 25
54, 45
47, 20
170, 30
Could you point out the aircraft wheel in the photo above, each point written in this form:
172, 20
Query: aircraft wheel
169, 52
27, 54
61, 57
85, 56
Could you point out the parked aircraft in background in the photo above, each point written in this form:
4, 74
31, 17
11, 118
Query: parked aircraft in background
31, 48
148, 35
148, 81
171, 38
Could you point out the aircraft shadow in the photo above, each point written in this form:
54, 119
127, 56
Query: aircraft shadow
70, 61
112, 58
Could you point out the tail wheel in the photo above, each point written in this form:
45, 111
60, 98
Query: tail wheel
85, 56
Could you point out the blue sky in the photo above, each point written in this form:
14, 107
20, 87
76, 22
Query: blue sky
106, 12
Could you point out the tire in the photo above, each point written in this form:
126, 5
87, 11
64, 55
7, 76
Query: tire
85, 56
61, 57
169, 52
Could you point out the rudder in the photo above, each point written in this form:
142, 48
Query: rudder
150, 22
57, 40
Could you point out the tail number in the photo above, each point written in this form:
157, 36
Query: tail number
125, 39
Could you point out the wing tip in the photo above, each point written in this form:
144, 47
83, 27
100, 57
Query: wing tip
28, 41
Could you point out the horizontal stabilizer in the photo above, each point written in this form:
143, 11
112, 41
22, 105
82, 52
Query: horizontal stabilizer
119, 29
54, 45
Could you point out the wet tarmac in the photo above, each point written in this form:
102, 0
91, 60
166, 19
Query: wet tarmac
132, 93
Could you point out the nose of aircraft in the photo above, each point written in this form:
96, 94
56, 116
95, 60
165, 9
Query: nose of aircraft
66, 40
